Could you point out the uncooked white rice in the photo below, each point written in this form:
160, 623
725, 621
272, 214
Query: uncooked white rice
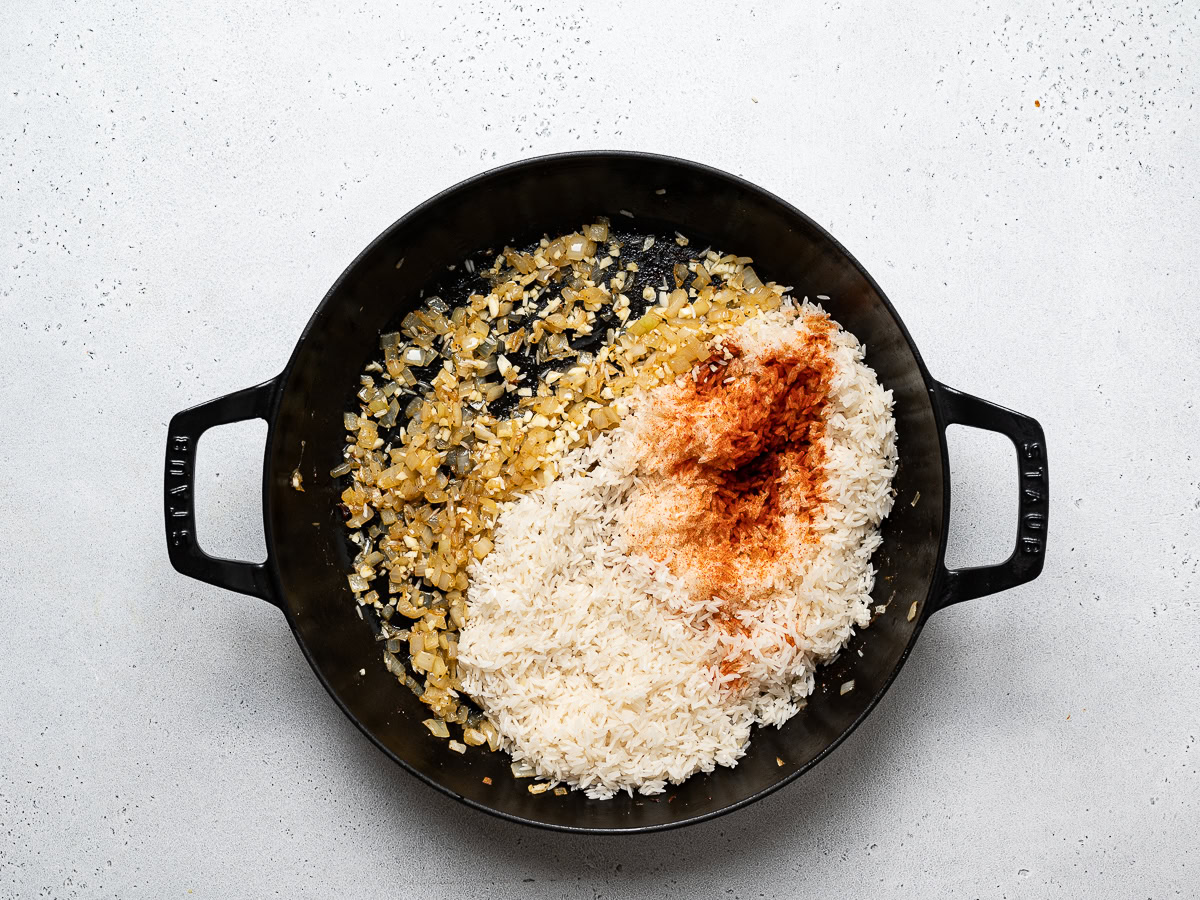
593, 663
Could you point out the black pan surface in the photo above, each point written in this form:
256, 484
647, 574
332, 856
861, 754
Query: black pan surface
305, 570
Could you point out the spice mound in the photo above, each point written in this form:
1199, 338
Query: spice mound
733, 464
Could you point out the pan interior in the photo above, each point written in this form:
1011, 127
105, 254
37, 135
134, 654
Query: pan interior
306, 537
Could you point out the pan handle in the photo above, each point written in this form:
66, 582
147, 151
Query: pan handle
1025, 563
179, 492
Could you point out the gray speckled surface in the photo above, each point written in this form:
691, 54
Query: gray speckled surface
180, 185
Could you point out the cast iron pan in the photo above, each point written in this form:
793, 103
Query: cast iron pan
304, 574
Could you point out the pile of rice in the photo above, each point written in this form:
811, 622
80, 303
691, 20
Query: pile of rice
602, 669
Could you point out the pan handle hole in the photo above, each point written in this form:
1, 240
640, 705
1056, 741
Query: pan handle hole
228, 500
983, 497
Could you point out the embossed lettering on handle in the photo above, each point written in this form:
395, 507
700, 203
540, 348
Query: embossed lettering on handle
1031, 526
179, 488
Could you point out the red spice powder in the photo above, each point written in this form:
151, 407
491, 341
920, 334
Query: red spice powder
734, 462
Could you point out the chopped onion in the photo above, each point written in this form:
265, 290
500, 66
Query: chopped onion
750, 280
577, 247
389, 418
436, 727
675, 301
645, 324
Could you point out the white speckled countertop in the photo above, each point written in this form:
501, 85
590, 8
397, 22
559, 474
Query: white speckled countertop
180, 186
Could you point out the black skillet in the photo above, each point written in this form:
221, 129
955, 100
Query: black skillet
304, 574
